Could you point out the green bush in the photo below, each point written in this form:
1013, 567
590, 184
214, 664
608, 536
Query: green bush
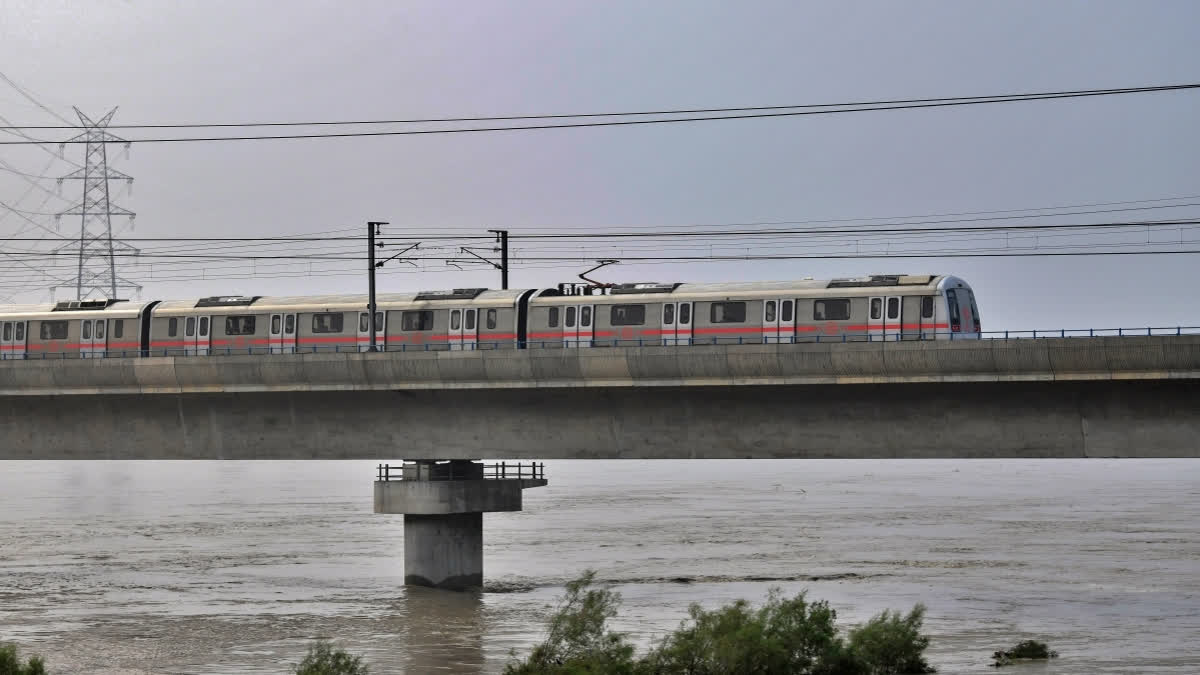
890, 644
577, 640
10, 663
789, 636
1026, 649
786, 635
323, 659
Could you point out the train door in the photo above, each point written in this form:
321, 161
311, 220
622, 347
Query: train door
586, 328
577, 326
17, 348
787, 320
892, 318
677, 323
683, 323
875, 319
275, 335
86, 337
456, 330
196, 335
99, 338
570, 326
779, 320
12, 340
189, 336
287, 343
469, 338
364, 333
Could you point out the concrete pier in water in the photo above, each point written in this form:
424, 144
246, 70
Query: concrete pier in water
443, 506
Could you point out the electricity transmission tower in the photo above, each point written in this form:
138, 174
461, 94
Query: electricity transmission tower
97, 269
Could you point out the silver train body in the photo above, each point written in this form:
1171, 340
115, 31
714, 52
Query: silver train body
884, 307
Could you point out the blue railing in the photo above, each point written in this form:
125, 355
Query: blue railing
638, 342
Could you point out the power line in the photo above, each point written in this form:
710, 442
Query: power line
962, 101
30, 97
678, 111
714, 234
899, 228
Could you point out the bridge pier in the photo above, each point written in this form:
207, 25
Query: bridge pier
443, 506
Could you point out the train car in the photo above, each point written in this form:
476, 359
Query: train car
880, 307
457, 319
72, 329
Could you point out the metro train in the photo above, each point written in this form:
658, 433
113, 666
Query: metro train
879, 307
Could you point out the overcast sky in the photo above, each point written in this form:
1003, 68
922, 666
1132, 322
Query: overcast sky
238, 61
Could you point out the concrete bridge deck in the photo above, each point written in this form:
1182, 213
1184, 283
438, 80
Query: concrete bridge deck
1072, 397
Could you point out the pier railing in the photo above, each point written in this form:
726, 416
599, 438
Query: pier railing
11, 352
439, 472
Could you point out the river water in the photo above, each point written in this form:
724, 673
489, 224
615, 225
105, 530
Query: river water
233, 567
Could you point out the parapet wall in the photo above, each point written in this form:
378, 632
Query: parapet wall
1149, 357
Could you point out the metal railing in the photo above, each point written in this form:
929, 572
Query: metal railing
632, 342
498, 471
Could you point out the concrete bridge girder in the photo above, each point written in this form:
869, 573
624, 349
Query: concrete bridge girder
1132, 396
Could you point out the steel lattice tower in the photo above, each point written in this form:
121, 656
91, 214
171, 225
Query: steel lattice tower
97, 268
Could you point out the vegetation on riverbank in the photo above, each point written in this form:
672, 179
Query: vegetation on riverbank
784, 635
324, 659
10, 663
1026, 649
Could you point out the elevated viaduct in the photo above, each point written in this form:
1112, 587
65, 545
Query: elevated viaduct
1057, 397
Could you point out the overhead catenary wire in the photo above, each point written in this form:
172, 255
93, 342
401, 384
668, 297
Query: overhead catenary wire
670, 111
820, 109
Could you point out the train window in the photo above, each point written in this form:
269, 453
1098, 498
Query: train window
585, 316
668, 313
952, 302
627, 315
87, 330
8, 331
927, 307
54, 330
553, 320
276, 324
876, 308
289, 324
570, 317
363, 326
728, 312
491, 318
416, 320
974, 308
20, 331
172, 327
189, 327
100, 329
455, 319
769, 311
685, 313
785, 311
327, 322
240, 325
470, 320
118, 328
831, 310
893, 308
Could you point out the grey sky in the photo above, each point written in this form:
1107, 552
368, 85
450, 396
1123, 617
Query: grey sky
246, 61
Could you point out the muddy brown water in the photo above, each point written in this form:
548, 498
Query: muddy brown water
234, 567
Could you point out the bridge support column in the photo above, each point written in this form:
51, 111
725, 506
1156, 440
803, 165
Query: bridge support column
443, 506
